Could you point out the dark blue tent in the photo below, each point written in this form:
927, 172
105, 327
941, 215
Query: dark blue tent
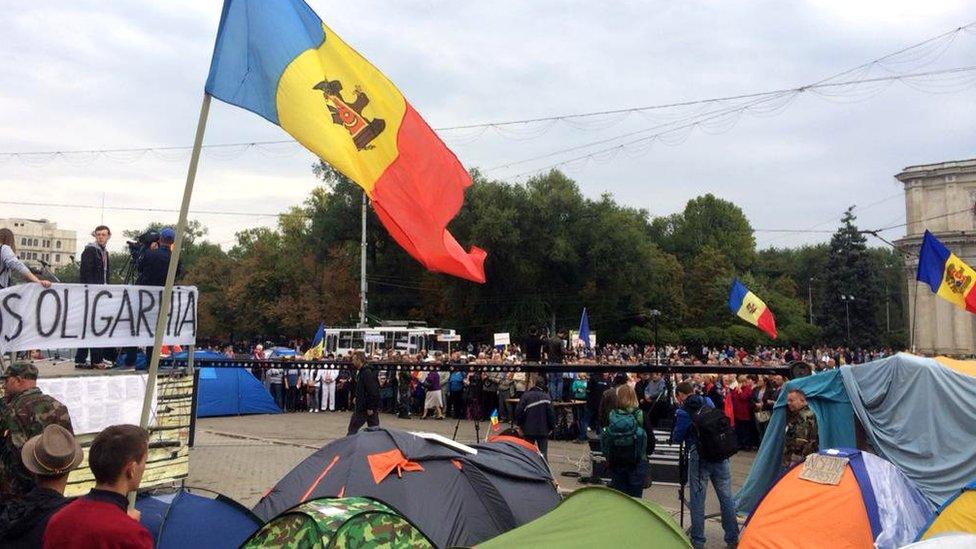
232, 391
185, 520
199, 355
280, 352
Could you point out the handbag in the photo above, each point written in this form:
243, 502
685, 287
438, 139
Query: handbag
762, 416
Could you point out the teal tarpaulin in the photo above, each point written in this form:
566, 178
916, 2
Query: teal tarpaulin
835, 421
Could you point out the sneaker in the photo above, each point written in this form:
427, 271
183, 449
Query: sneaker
82, 366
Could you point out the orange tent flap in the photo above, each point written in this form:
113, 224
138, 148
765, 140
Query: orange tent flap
514, 440
384, 463
799, 513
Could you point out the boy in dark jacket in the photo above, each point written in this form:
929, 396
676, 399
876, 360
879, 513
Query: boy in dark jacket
535, 417
94, 269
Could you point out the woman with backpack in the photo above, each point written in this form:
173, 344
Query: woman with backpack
626, 441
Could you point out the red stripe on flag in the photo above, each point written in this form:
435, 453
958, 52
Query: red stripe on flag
767, 323
419, 194
971, 300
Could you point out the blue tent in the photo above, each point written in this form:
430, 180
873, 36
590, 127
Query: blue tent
199, 355
232, 391
278, 352
185, 520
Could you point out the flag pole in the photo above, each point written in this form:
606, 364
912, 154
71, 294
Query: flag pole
164, 307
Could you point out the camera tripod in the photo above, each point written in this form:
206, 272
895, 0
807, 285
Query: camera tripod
477, 429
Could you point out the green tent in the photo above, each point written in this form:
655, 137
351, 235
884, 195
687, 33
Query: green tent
597, 517
339, 522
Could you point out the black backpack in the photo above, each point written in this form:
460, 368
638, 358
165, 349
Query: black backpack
716, 439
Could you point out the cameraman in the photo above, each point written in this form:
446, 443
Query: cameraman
153, 265
94, 269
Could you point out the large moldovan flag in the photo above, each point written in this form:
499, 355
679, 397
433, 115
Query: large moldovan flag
277, 59
751, 309
317, 349
946, 274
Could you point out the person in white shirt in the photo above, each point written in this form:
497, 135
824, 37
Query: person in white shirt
327, 400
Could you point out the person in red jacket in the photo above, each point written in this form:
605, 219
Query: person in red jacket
99, 520
745, 427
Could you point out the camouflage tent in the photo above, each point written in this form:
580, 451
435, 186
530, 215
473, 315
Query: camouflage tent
339, 522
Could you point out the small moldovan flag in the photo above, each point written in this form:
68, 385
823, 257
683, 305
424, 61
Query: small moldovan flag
276, 58
750, 308
494, 420
946, 274
317, 349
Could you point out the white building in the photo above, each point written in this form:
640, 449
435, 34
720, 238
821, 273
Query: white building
41, 240
941, 198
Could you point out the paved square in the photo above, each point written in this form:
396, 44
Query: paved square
244, 456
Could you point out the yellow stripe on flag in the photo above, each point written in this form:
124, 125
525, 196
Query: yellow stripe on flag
752, 307
957, 279
365, 97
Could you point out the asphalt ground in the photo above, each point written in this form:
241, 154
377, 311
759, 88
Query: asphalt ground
244, 456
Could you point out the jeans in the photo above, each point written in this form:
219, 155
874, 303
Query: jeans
584, 420
629, 480
699, 472
278, 393
556, 386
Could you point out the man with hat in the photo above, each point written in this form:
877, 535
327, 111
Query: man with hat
25, 414
50, 457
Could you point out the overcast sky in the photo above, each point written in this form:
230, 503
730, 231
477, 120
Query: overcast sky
98, 75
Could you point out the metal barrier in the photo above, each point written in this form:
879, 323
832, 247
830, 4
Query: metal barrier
640, 368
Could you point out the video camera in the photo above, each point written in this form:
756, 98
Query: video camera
142, 243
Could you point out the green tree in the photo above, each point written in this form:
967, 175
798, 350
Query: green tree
708, 221
851, 271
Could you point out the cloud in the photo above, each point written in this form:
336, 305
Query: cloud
89, 74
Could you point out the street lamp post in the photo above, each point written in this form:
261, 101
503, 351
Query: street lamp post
654, 314
810, 298
847, 299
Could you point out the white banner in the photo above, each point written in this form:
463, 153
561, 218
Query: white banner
92, 315
96, 402
503, 339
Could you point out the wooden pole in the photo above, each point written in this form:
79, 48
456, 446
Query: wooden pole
174, 260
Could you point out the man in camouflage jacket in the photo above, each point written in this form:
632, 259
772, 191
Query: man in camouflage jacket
802, 438
24, 413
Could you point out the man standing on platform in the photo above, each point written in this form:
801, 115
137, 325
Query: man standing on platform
94, 269
26, 411
367, 407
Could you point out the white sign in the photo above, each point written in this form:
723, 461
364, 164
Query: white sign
373, 337
823, 469
92, 315
503, 339
575, 341
96, 402
448, 337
